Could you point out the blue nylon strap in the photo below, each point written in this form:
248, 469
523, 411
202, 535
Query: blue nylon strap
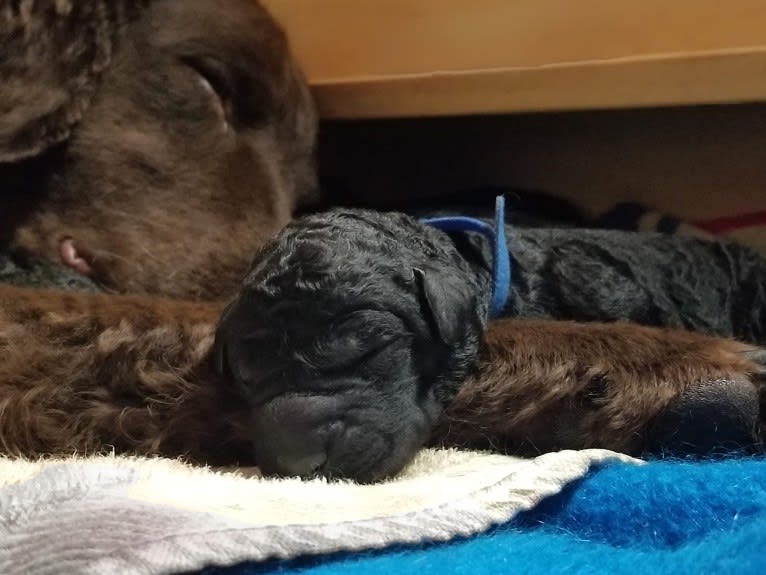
501, 261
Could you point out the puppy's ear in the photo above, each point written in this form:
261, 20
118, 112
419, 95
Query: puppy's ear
447, 302
220, 363
53, 52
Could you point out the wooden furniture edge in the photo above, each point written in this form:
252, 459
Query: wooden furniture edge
721, 77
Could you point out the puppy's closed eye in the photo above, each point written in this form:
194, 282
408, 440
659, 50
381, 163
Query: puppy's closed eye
355, 340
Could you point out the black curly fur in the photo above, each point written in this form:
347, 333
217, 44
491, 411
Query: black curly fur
354, 328
717, 288
352, 360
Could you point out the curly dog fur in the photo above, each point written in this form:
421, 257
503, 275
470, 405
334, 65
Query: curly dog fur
89, 373
42, 101
542, 386
354, 329
149, 145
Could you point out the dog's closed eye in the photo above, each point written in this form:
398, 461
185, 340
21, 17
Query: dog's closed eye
355, 340
214, 79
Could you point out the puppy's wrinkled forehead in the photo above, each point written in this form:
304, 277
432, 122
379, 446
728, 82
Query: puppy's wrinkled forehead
328, 287
357, 295
355, 249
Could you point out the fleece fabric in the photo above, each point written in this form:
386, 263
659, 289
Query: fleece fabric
660, 518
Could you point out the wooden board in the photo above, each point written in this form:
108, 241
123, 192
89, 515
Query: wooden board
399, 58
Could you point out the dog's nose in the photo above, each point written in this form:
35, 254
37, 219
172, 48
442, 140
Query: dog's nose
292, 447
288, 454
300, 464
291, 452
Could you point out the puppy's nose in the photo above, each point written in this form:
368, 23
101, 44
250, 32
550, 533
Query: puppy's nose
293, 448
300, 464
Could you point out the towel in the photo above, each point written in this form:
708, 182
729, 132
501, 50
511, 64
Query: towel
152, 516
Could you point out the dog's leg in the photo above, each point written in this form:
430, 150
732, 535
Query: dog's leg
543, 386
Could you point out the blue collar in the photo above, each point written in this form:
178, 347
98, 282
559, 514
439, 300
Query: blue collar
501, 260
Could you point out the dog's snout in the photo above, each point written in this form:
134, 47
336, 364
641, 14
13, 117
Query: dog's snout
327, 436
292, 451
294, 436
299, 464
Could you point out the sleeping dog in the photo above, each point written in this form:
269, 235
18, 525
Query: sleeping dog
354, 330
150, 145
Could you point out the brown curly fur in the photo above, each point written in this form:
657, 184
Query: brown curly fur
167, 189
87, 374
546, 385
91, 373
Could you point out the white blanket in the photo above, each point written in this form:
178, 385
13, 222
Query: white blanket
142, 516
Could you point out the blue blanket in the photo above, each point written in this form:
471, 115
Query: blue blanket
663, 517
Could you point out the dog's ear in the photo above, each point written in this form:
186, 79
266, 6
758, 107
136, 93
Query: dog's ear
52, 53
448, 303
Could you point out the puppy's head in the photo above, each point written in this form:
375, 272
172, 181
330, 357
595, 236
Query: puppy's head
198, 145
350, 333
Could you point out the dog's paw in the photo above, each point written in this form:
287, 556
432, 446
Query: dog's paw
757, 355
713, 418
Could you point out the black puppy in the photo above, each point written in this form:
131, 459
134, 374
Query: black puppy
354, 328
349, 335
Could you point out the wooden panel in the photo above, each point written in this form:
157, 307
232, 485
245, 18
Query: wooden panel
722, 78
696, 162
382, 58
341, 39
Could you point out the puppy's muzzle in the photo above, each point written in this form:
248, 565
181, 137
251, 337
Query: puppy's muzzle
293, 436
324, 435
